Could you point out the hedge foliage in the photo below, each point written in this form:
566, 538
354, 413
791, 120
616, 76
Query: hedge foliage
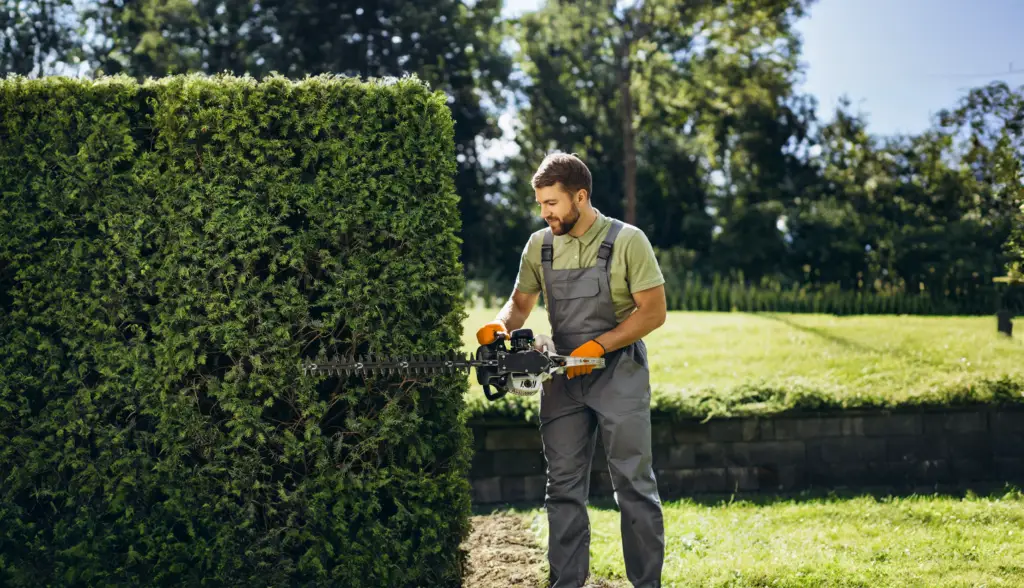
773, 399
171, 252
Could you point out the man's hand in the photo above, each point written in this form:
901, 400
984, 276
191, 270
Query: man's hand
589, 349
489, 332
544, 343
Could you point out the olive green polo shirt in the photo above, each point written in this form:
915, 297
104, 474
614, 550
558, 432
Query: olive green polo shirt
634, 266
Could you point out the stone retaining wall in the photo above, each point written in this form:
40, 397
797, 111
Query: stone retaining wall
917, 451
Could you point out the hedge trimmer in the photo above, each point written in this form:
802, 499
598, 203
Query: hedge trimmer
520, 370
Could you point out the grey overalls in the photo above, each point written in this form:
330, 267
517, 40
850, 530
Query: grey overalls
615, 400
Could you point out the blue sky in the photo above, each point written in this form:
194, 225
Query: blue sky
900, 61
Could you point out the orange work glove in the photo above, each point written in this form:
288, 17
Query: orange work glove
589, 349
489, 332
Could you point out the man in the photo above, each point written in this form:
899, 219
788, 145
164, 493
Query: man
604, 291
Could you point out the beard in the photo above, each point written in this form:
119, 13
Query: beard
563, 225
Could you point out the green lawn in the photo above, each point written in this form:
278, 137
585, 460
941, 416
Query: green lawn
863, 541
745, 363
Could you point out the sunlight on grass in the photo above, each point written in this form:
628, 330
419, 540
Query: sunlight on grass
862, 541
889, 357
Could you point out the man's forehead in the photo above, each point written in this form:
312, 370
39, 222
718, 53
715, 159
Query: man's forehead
549, 192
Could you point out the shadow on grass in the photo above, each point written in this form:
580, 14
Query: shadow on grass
994, 491
847, 343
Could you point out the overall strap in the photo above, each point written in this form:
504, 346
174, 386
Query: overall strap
547, 250
605, 252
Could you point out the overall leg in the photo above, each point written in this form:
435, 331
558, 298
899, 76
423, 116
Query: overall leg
569, 438
624, 417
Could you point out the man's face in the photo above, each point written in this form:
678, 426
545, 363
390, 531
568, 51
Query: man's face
557, 208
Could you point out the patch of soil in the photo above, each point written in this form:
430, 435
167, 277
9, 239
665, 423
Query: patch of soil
502, 552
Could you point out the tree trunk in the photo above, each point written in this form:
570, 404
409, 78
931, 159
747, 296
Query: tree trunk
628, 140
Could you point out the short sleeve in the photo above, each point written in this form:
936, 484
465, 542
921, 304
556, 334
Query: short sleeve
528, 279
642, 269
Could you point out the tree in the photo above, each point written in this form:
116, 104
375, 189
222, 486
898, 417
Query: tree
988, 128
34, 35
657, 95
834, 237
911, 213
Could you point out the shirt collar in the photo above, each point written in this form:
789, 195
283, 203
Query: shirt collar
600, 222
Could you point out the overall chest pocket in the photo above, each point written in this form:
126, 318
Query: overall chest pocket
571, 289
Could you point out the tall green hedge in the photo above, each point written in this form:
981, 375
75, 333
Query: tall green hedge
171, 252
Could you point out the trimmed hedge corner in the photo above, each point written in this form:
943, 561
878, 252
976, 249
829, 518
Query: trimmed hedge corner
171, 252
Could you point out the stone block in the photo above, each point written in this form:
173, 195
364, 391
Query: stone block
706, 480
931, 471
535, 487
675, 457
690, 432
975, 446
902, 472
1008, 423
787, 428
518, 463
709, 455
956, 422
791, 477
830, 475
1008, 444
765, 453
857, 473
910, 449
672, 484
890, 425
513, 489
846, 449
482, 464
800, 428
829, 427
675, 483
662, 434
768, 477
745, 429
1009, 469
851, 426
479, 438
968, 422
741, 479
934, 423
972, 470
512, 438
486, 490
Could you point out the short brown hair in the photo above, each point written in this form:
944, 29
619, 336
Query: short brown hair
567, 169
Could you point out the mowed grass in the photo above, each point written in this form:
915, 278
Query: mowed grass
758, 358
862, 541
